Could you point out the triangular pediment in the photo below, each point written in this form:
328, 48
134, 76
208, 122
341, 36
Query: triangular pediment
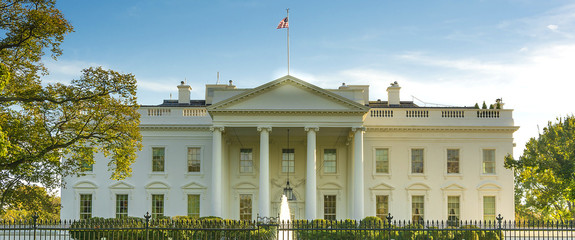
452, 187
418, 186
382, 186
288, 94
193, 185
121, 185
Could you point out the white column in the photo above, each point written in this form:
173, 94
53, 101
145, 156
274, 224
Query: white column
310, 182
216, 187
358, 173
264, 195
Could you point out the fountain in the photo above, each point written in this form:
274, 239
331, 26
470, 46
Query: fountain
285, 220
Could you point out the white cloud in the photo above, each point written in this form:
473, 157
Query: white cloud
553, 27
64, 71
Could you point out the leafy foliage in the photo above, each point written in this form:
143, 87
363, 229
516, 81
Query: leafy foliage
545, 173
29, 200
48, 131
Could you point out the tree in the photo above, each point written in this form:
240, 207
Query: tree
29, 200
48, 131
545, 173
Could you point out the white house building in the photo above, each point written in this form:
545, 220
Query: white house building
347, 157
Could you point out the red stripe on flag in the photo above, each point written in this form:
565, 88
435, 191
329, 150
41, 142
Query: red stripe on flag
283, 23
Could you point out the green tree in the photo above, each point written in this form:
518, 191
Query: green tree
48, 131
545, 173
29, 200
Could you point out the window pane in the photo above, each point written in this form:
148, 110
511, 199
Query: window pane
329, 161
329, 207
382, 160
417, 209
194, 205
246, 207
158, 155
489, 161
246, 161
157, 205
86, 164
416, 160
121, 205
453, 210
85, 206
452, 160
381, 206
194, 161
489, 208
288, 160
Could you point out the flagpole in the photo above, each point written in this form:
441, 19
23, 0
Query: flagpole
288, 41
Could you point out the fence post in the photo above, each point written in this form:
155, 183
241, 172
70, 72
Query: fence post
388, 217
147, 216
499, 218
35, 219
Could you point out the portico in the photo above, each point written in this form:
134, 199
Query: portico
259, 118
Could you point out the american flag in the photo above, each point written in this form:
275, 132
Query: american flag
283, 23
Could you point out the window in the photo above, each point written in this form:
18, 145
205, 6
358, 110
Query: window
85, 206
489, 208
417, 209
382, 160
246, 207
88, 155
329, 207
194, 161
329, 161
452, 210
157, 205
489, 161
416, 160
381, 206
194, 205
246, 160
158, 155
121, 205
288, 160
452, 160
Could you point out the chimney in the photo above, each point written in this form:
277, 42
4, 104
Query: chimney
393, 94
184, 93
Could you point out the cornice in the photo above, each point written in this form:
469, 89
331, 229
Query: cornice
287, 112
442, 129
175, 127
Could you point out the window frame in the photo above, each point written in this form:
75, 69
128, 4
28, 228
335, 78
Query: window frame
447, 159
127, 205
453, 218
200, 155
199, 206
164, 160
386, 203
253, 166
375, 161
483, 208
82, 207
325, 208
251, 207
288, 160
155, 214
411, 162
493, 162
334, 161
413, 210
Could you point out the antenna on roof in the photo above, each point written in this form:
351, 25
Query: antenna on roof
185, 80
218, 79
426, 103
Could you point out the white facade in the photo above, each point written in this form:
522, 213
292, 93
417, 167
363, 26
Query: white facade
351, 155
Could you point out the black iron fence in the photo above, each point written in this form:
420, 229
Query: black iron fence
272, 228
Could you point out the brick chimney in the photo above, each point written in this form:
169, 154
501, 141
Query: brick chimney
393, 94
184, 93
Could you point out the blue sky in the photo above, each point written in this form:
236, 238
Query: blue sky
454, 52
